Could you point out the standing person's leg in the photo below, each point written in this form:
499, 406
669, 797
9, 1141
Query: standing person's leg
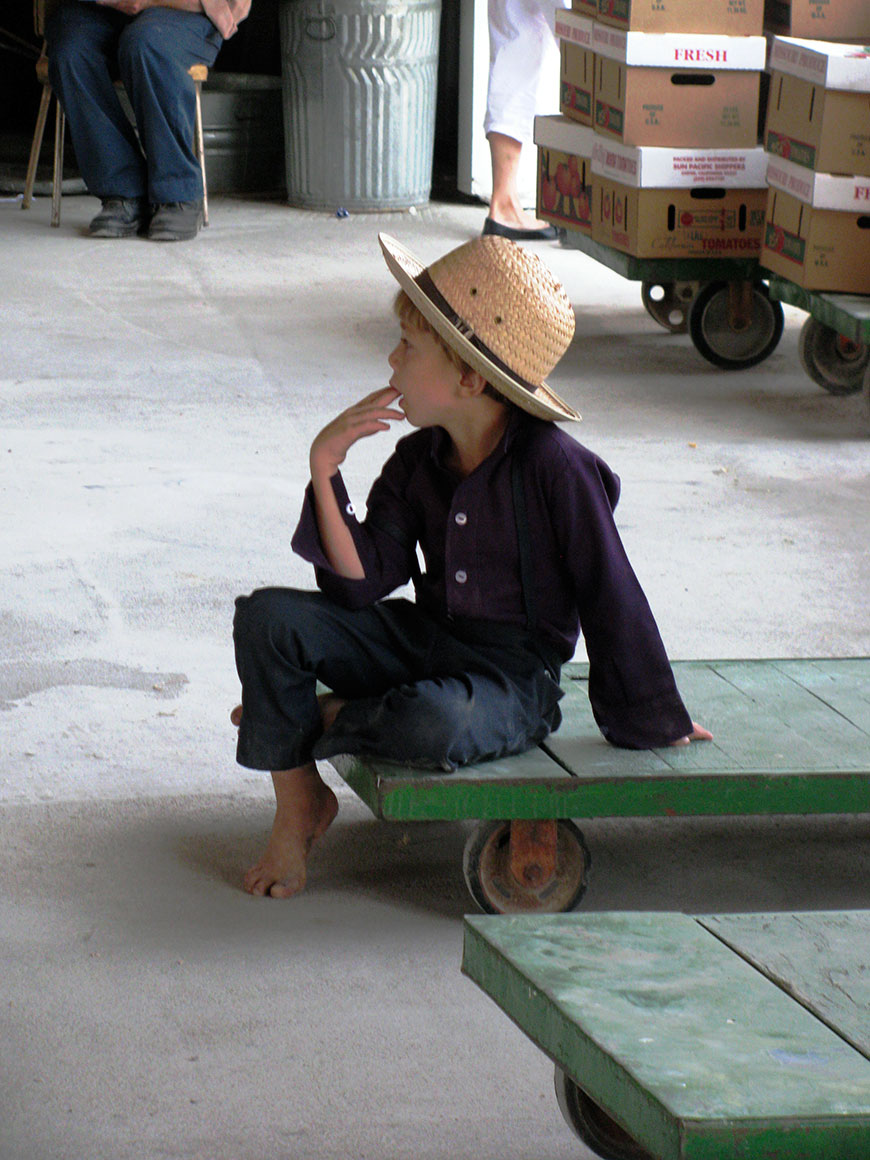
285, 642
82, 44
155, 51
522, 44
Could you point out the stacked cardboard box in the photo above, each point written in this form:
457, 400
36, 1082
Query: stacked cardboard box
577, 72
678, 203
817, 136
565, 172
835, 20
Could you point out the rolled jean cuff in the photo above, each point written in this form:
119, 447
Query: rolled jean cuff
260, 747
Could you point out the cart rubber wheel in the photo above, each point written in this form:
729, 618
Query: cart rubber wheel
834, 362
486, 866
594, 1127
668, 303
718, 341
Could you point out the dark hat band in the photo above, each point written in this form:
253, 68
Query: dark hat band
424, 281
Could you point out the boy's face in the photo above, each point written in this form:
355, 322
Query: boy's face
426, 379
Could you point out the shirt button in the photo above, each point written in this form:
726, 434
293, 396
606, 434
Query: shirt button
349, 509
461, 519
460, 577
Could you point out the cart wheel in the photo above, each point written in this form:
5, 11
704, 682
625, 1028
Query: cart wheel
486, 866
723, 345
834, 362
594, 1127
668, 303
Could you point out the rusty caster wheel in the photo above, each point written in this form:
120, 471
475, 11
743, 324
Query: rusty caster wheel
524, 866
594, 1127
834, 362
668, 303
735, 325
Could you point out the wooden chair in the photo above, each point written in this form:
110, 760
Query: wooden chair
42, 9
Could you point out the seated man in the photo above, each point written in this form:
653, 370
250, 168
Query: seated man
148, 178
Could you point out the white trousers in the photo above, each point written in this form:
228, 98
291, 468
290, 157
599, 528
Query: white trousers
522, 53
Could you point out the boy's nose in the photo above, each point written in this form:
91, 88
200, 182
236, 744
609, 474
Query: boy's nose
394, 353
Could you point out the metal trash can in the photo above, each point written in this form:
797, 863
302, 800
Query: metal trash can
360, 86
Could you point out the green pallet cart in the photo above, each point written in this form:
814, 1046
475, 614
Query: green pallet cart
790, 737
723, 303
722, 1037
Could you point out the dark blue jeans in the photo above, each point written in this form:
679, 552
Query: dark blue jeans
89, 47
418, 691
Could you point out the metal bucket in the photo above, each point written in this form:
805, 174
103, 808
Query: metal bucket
243, 131
360, 86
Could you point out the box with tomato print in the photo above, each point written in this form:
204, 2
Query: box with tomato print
653, 202
817, 228
564, 172
677, 89
818, 112
577, 66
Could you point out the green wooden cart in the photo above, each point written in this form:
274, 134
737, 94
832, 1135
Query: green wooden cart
729, 1037
834, 343
723, 303
790, 737
731, 307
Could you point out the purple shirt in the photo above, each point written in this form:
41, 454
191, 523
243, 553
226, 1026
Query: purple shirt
467, 530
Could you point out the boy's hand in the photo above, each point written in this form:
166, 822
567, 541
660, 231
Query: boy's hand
699, 733
367, 417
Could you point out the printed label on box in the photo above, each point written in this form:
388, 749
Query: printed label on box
573, 28
789, 149
789, 246
609, 117
574, 99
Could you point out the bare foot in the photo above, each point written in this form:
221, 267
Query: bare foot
306, 807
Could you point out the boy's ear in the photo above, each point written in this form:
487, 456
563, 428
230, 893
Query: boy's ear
472, 382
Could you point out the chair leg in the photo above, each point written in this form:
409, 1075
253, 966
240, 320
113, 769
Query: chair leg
36, 147
57, 179
199, 146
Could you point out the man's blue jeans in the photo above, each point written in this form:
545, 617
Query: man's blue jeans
89, 47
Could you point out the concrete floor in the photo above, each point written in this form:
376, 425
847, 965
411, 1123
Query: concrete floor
157, 407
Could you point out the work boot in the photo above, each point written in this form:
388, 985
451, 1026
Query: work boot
120, 217
177, 221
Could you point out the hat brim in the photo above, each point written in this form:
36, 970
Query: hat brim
542, 401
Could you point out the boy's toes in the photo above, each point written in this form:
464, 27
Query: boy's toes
236, 716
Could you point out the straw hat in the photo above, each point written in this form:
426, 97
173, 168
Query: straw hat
500, 308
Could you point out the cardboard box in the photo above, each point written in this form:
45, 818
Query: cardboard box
834, 66
819, 19
679, 203
728, 17
850, 194
649, 166
577, 72
677, 90
816, 247
585, 8
827, 130
675, 50
564, 172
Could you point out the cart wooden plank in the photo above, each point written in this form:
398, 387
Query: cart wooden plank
694, 1052
821, 959
791, 736
848, 314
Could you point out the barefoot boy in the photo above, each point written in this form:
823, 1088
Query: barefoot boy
514, 519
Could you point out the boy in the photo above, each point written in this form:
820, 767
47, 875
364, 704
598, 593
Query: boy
515, 522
